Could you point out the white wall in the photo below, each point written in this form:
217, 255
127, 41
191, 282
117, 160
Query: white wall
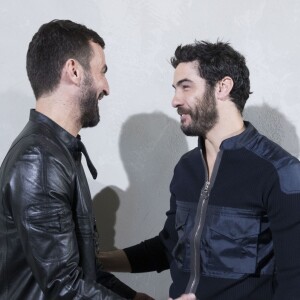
138, 141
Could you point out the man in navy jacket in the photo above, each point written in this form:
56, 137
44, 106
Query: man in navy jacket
233, 227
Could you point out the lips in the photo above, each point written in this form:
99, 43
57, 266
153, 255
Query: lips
181, 111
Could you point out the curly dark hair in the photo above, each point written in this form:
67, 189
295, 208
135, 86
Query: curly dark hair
53, 44
215, 61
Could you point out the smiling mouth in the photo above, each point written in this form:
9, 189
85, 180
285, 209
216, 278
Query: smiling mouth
183, 117
182, 111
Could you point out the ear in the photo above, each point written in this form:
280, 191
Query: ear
73, 71
224, 87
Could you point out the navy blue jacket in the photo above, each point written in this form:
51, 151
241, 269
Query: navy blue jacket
236, 236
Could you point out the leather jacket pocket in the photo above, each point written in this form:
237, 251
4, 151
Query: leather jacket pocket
50, 233
229, 243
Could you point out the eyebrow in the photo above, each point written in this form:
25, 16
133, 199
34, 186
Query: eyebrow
180, 82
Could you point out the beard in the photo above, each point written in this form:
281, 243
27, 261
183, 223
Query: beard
203, 117
89, 110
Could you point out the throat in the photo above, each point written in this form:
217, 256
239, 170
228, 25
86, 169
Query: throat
210, 155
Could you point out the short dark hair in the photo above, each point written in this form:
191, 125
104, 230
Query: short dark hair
215, 61
53, 44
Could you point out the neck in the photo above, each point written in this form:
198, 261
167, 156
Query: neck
214, 139
61, 112
222, 131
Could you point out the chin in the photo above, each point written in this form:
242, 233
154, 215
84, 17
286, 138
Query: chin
90, 123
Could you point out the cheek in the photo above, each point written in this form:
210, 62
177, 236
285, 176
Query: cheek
98, 83
192, 102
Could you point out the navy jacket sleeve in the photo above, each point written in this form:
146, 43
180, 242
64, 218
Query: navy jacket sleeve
113, 283
283, 203
147, 256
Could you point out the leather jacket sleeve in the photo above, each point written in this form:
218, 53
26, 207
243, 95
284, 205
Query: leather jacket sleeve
39, 194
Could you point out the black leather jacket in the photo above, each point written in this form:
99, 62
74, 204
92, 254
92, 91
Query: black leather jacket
47, 246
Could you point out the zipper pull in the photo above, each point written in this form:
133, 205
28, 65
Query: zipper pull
205, 190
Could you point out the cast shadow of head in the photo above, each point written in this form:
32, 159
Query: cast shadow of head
150, 146
273, 124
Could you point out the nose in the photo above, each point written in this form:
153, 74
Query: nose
106, 88
176, 101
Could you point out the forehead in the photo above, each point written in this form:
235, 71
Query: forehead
98, 57
187, 70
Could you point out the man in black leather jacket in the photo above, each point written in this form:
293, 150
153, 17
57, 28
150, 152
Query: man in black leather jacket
48, 239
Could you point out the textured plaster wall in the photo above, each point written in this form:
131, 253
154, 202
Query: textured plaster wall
138, 141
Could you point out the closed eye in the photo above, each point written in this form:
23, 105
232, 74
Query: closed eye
183, 84
104, 69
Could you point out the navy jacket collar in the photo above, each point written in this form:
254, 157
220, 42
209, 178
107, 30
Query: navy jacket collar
237, 141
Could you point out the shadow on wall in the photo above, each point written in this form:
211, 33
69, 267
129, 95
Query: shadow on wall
275, 126
150, 146
106, 204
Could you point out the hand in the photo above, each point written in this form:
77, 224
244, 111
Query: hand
185, 297
141, 296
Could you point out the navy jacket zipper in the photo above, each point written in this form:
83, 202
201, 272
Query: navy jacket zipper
199, 225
